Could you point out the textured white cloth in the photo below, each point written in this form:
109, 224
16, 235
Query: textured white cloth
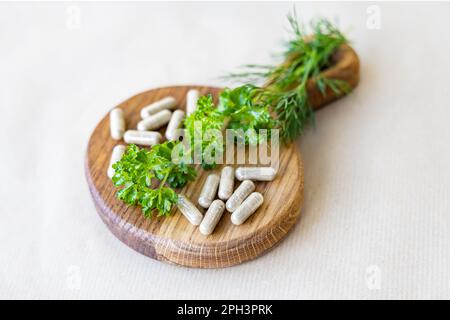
376, 218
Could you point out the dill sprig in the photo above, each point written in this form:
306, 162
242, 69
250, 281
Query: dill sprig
305, 57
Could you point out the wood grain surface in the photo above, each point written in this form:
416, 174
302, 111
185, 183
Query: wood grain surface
173, 239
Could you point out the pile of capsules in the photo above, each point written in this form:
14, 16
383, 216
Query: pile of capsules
241, 203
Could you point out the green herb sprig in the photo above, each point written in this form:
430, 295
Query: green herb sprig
137, 171
305, 57
242, 109
206, 117
248, 110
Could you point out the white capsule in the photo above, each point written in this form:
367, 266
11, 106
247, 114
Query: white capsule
209, 190
212, 217
172, 131
155, 121
241, 193
144, 138
226, 185
191, 101
155, 107
189, 210
247, 208
116, 155
255, 173
116, 123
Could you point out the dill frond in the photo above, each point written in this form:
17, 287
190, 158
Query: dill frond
305, 57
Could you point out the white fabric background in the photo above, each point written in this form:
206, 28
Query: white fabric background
376, 218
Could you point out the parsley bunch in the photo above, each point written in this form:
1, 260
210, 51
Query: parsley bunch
248, 109
242, 109
143, 175
137, 171
206, 117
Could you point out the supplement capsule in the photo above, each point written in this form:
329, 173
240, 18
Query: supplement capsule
189, 210
247, 208
212, 217
226, 183
155, 121
209, 190
241, 193
116, 123
255, 173
116, 155
155, 107
174, 124
191, 101
144, 138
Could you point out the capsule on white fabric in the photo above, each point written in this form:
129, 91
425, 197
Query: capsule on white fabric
209, 190
226, 183
143, 138
174, 123
155, 121
191, 101
116, 123
255, 173
247, 208
239, 195
212, 217
116, 155
189, 210
155, 107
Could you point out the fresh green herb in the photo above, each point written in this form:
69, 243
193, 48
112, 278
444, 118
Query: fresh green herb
286, 84
248, 111
175, 174
138, 169
199, 125
242, 109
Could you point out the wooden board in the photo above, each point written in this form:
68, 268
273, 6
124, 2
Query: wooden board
173, 239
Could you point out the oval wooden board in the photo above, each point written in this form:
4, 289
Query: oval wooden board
173, 239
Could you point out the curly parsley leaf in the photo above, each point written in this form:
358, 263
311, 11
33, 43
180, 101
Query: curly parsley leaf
161, 199
248, 109
178, 174
138, 169
201, 123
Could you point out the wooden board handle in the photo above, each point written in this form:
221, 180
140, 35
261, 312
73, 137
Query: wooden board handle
345, 68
